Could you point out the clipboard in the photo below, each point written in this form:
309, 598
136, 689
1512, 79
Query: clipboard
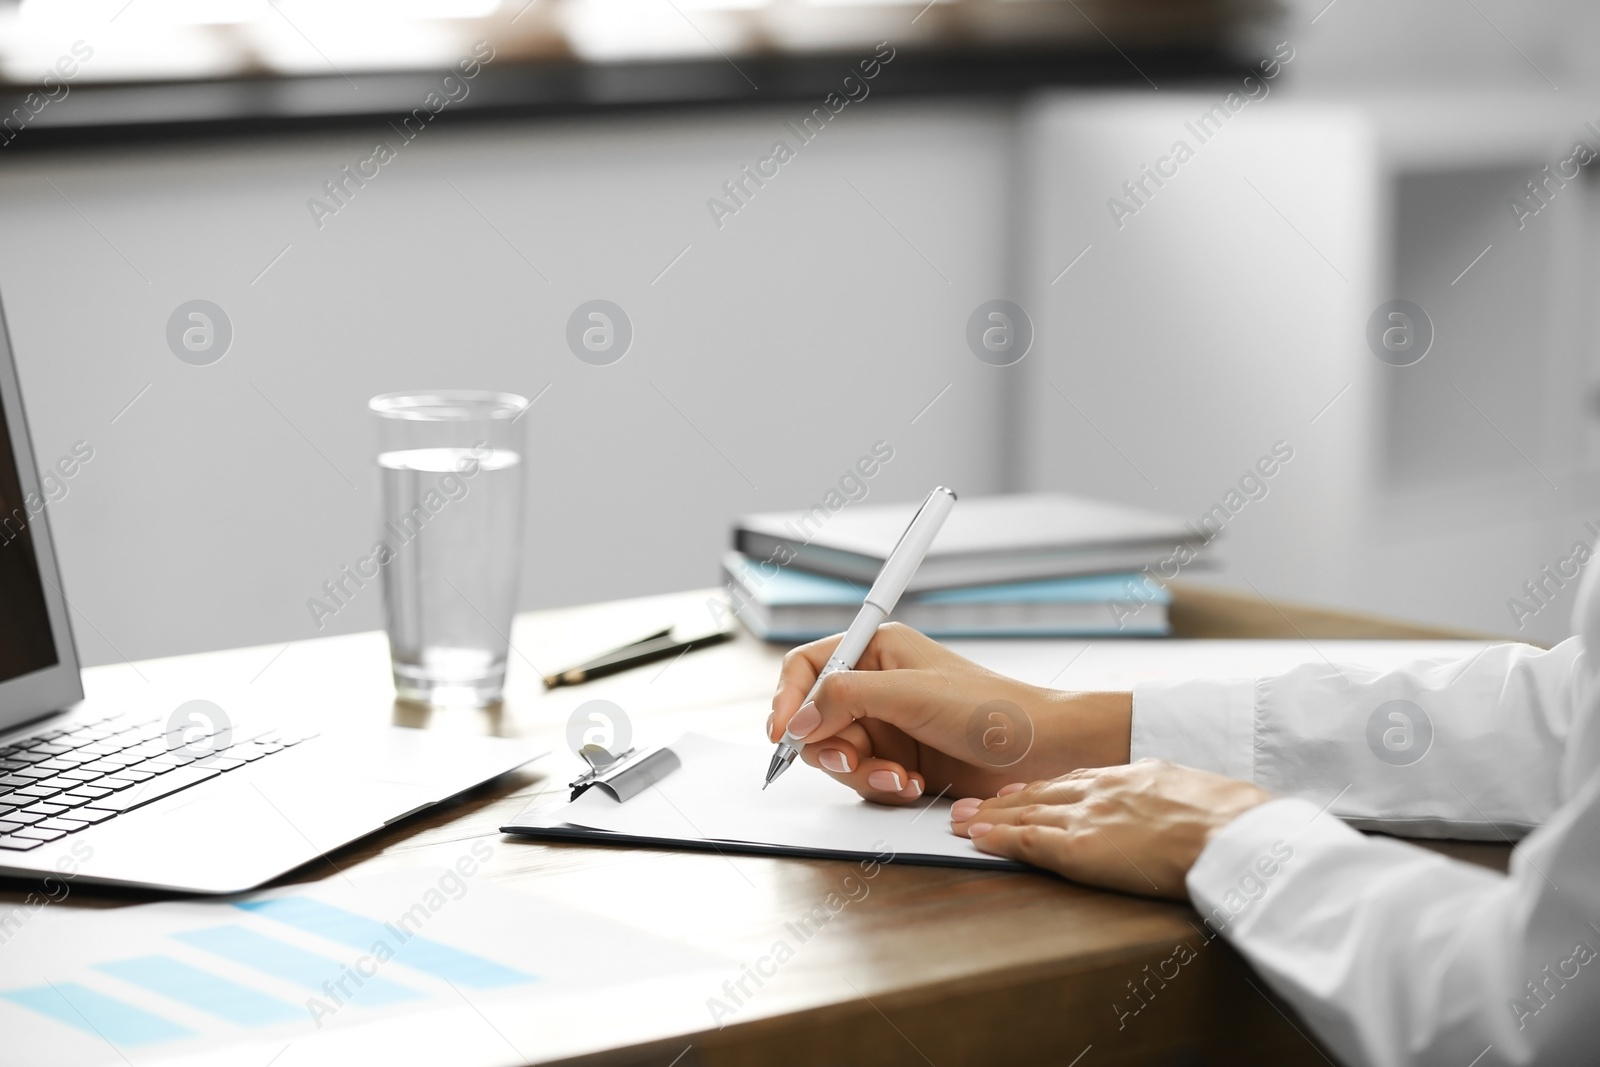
624, 776
699, 794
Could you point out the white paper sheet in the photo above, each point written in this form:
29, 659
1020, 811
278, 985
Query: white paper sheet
717, 796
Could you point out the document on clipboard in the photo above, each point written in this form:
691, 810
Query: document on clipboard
712, 801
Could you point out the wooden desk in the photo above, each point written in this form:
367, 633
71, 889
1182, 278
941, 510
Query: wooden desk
932, 966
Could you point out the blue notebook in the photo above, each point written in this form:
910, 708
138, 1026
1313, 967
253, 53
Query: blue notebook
784, 604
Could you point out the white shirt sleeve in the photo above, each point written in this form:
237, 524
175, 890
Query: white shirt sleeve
1399, 956
1393, 954
1464, 749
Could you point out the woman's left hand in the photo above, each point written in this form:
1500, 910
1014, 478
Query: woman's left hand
1137, 827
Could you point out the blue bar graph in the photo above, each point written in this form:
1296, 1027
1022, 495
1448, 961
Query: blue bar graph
95, 1013
358, 931
337, 978
211, 993
293, 964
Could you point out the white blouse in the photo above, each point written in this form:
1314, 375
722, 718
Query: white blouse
1392, 953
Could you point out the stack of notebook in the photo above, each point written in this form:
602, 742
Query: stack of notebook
1036, 565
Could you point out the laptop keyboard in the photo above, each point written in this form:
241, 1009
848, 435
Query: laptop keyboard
58, 782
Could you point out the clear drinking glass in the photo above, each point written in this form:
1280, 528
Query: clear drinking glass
451, 537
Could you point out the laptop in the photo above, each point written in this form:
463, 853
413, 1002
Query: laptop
174, 797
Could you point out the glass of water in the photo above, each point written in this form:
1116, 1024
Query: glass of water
450, 539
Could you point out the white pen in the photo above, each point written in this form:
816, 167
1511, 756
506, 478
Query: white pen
881, 599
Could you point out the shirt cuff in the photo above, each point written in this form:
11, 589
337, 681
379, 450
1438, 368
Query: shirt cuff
1209, 725
1256, 851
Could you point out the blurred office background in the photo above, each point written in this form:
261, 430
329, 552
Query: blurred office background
1228, 313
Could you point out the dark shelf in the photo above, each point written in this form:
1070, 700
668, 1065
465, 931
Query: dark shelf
111, 113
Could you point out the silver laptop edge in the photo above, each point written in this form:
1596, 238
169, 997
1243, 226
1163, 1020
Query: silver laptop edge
51, 688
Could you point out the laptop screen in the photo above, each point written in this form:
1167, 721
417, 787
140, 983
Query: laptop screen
26, 644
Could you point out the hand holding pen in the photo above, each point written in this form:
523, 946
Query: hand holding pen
898, 570
908, 717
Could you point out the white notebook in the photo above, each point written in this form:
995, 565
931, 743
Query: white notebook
1011, 538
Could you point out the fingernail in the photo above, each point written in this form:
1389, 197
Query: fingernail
1014, 787
774, 715
912, 791
805, 720
978, 829
884, 781
964, 809
834, 760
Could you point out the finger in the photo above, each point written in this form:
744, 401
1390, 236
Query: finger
1061, 816
1068, 789
858, 736
966, 807
837, 756
897, 645
880, 780
885, 782
902, 698
798, 674
893, 646
853, 741
1049, 847
1082, 853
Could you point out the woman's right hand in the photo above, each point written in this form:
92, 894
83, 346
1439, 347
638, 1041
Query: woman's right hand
914, 718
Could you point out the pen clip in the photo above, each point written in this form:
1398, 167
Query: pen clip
907, 531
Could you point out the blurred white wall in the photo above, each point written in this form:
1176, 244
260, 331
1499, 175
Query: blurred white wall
1350, 44
825, 316
1484, 454
1210, 331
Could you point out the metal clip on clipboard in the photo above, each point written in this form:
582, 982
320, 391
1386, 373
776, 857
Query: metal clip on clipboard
626, 776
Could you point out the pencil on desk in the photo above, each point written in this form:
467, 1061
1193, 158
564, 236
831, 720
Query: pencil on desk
636, 654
